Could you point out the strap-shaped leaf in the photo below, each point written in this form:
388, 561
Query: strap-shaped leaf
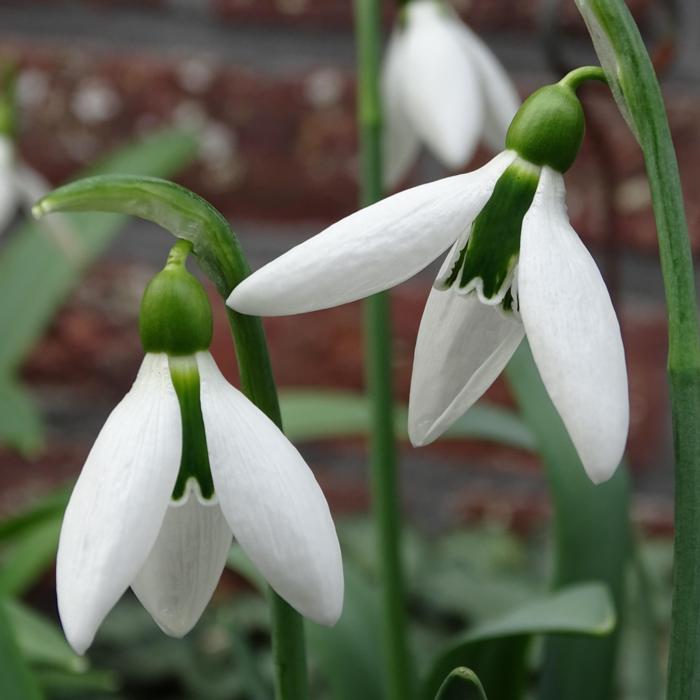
591, 539
16, 681
497, 650
314, 415
462, 677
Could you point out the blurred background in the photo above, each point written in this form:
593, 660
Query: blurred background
268, 88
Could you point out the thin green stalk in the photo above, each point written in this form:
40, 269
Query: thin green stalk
220, 257
378, 363
636, 89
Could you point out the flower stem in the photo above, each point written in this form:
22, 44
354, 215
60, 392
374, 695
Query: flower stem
189, 217
634, 85
576, 77
378, 361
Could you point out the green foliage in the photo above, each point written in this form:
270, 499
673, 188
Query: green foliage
503, 642
323, 414
464, 676
44, 261
591, 539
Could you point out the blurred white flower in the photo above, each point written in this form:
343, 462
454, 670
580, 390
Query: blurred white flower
441, 86
516, 266
123, 527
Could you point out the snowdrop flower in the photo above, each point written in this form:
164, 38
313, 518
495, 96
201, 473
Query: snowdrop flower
20, 185
184, 461
515, 267
441, 86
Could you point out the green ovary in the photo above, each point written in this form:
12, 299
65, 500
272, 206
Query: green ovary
194, 462
494, 243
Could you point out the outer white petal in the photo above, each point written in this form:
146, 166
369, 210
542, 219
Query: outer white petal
440, 89
372, 249
119, 502
400, 141
501, 99
8, 187
462, 346
573, 331
271, 500
184, 566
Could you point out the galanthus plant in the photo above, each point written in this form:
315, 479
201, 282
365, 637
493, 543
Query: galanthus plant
182, 462
441, 86
515, 267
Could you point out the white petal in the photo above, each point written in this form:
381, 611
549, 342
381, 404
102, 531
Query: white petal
119, 501
501, 99
185, 564
441, 88
462, 346
372, 249
271, 500
400, 143
573, 331
8, 187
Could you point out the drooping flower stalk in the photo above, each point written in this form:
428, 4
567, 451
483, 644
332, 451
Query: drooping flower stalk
220, 257
632, 79
378, 362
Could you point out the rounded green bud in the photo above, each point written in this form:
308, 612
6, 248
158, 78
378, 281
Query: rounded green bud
548, 128
175, 312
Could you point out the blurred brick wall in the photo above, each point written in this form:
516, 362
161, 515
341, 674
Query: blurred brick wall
269, 85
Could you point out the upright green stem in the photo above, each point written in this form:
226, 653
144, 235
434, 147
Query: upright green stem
378, 356
220, 257
631, 76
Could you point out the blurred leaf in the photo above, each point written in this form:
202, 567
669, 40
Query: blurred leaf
640, 648
315, 415
467, 676
501, 644
239, 562
20, 424
40, 641
16, 682
350, 654
48, 506
63, 684
41, 268
591, 539
30, 554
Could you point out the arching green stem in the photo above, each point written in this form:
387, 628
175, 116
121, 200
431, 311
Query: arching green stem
378, 363
631, 77
578, 76
188, 216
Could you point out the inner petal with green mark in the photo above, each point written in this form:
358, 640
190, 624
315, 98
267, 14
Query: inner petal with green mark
194, 463
485, 264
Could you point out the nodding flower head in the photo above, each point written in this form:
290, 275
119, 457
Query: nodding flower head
515, 266
441, 86
184, 463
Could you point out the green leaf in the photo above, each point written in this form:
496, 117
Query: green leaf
16, 681
317, 415
30, 555
494, 646
591, 538
20, 424
349, 655
62, 684
466, 675
40, 641
42, 262
49, 506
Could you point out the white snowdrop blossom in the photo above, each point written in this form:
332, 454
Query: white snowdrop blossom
441, 86
184, 463
20, 185
515, 267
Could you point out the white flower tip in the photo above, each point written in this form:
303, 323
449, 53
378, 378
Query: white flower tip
242, 299
422, 433
601, 461
328, 606
79, 635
